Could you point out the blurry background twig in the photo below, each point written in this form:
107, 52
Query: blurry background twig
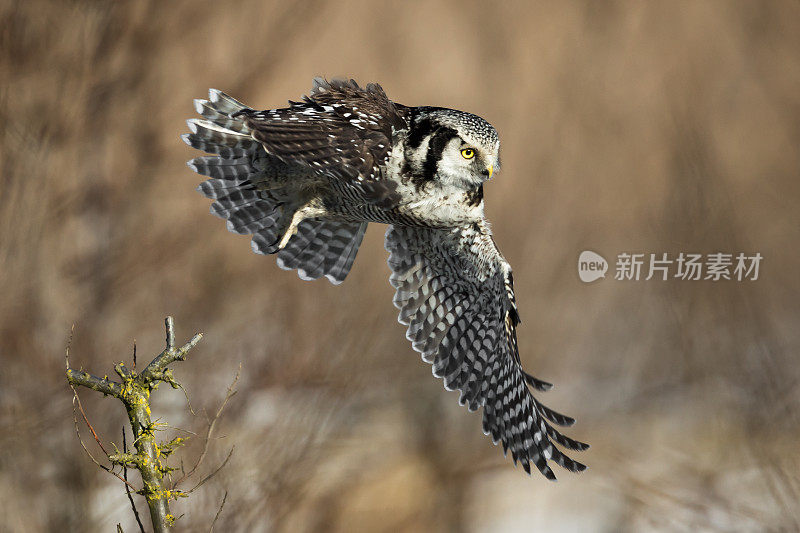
626, 126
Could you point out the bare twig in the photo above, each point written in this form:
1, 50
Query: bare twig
188, 404
231, 392
219, 512
190, 432
85, 449
125, 473
76, 399
76, 402
212, 474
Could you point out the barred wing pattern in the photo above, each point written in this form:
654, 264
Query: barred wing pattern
455, 293
254, 191
322, 248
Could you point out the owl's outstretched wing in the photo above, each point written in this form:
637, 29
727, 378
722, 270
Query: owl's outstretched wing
455, 293
250, 189
340, 129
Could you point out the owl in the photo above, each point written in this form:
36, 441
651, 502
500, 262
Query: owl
305, 180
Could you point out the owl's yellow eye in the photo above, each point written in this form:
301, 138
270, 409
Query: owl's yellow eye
468, 153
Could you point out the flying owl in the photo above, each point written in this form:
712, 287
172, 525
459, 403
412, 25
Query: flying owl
306, 180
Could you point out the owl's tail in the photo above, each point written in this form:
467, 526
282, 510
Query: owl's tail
253, 191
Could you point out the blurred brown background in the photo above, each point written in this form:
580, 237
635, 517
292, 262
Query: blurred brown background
626, 127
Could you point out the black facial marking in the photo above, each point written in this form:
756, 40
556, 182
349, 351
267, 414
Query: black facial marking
419, 131
436, 146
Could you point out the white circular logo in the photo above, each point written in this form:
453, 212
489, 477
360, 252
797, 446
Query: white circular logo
591, 266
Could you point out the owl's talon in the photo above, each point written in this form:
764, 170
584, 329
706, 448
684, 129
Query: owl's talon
309, 210
291, 232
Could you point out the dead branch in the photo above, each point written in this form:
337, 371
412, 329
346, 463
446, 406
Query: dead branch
134, 392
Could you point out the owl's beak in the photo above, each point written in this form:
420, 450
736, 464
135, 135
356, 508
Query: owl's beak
490, 168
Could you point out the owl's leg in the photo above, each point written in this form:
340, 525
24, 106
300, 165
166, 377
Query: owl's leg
310, 210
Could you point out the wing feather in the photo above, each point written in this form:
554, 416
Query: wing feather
455, 293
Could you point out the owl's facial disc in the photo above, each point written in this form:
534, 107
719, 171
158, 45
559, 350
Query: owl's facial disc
466, 164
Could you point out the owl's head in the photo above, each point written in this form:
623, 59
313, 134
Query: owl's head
452, 148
